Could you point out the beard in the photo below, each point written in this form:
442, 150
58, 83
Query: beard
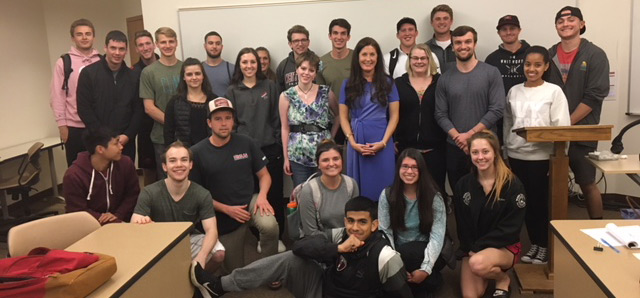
465, 59
223, 135
213, 56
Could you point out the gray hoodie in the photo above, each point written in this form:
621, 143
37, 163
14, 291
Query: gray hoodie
587, 82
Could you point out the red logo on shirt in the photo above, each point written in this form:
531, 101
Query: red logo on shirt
240, 156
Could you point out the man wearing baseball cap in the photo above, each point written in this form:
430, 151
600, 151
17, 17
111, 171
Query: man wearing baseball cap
225, 164
509, 57
582, 70
395, 62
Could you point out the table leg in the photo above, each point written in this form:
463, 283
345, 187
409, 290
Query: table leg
559, 190
635, 177
54, 177
3, 202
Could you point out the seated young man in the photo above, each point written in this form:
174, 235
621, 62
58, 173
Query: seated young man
101, 181
175, 198
358, 259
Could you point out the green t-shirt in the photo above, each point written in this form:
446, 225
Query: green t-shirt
159, 82
156, 202
335, 71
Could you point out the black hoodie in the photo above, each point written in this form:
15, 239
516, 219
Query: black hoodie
510, 65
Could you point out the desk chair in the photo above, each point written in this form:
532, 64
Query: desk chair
55, 232
28, 175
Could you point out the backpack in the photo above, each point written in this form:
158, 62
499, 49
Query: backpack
393, 60
54, 273
66, 64
294, 222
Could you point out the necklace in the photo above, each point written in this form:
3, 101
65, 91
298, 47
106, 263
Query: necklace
305, 94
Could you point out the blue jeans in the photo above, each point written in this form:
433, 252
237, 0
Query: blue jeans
300, 173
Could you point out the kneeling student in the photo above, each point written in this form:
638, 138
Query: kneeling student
358, 259
177, 199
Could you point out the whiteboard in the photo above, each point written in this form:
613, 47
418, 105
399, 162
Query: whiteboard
267, 24
633, 107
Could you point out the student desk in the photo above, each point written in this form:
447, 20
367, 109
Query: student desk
581, 271
153, 260
13, 152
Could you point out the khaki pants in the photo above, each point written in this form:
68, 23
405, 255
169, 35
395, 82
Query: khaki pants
234, 242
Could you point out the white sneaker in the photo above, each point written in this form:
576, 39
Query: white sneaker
530, 255
541, 256
281, 247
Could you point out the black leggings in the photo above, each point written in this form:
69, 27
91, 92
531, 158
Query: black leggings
534, 175
412, 254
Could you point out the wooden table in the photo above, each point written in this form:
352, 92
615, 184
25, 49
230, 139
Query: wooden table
153, 260
13, 152
581, 271
629, 166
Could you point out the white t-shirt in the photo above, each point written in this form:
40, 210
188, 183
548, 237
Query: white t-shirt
545, 105
443, 44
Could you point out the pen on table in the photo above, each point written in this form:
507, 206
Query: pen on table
609, 245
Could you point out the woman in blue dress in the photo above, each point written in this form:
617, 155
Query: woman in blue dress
369, 113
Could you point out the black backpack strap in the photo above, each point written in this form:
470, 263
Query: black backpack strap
393, 60
66, 64
228, 71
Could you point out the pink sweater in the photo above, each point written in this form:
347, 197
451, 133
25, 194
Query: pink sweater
65, 108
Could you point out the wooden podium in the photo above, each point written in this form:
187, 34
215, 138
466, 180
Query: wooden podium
539, 278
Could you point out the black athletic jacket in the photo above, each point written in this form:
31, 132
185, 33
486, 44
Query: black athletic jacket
359, 274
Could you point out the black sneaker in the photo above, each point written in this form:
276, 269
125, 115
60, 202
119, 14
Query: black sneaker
541, 256
530, 255
209, 286
499, 293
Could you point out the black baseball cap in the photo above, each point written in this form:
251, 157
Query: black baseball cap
405, 20
572, 11
508, 20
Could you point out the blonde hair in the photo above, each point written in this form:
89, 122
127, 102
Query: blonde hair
166, 31
433, 68
504, 176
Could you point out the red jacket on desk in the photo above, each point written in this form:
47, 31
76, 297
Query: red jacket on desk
86, 189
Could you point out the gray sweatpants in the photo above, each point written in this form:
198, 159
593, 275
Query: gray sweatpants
302, 277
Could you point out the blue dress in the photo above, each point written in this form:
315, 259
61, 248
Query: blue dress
368, 123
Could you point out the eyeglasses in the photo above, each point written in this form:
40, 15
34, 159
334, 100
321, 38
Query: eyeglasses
408, 167
299, 41
415, 58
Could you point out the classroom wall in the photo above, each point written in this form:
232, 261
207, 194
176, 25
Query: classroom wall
607, 25
39, 30
26, 114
